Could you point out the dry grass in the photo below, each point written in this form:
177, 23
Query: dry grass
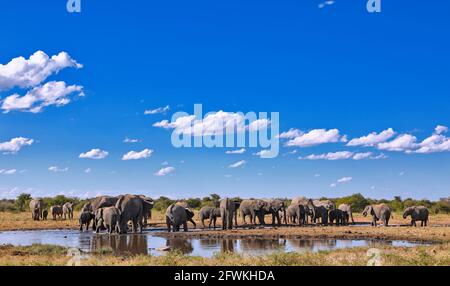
438, 255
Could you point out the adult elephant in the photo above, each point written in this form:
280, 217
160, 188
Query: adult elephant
147, 209
132, 209
177, 216
254, 208
299, 201
37, 208
419, 213
56, 212
68, 210
296, 213
348, 213
381, 212
328, 204
103, 202
275, 208
318, 212
228, 209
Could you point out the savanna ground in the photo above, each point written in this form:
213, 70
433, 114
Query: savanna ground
438, 253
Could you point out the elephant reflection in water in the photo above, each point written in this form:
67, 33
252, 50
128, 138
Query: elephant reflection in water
226, 245
311, 245
121, 244
180, 244
262, 244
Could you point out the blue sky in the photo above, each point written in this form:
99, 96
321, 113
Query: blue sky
336, 67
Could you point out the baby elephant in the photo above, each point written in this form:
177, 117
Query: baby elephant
44, 215
85, 220
177, 216
209, 213
417, 214
108, 218
338, 216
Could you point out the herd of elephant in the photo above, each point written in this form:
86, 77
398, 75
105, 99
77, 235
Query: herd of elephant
130, 213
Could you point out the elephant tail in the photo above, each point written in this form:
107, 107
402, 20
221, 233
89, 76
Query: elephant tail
119, 203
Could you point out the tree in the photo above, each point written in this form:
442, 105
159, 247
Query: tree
22, 201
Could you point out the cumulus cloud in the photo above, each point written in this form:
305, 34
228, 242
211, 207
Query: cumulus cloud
95, 154
239, 151
15, 145
440, 129
25, 73
157, 110
292, 133
133, 155
373, 138
404, 142
55, 93
317, 137
57, 169
214, 123
237, 164
8, 172
165, 171
437, 142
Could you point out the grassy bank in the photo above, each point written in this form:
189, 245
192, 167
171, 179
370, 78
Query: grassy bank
46, 255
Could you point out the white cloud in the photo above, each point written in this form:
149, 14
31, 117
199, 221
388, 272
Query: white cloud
215, 123
165, 163
333, 185
402, 173
262, 153
88, 170
317, 137
258, 125
441, 129
8, 172
25, 73
292, 133
55, 93
373, 138
345, 180
237, 164
57, 169
362, 156
15, 145
95, 154
342, 155
165, 171
326, 3
133, 155
157, 110
403, 142
130, 140
239, 151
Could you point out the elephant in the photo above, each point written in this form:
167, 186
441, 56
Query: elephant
228, 209
275, 207
209, 213
303, 202
418, 213
348, 213
147, 209
254, 208
87, 208
296, 212
108, 218
103, 202
132, 209
328, 204
36, 208
177, 216
85, 220
44, 215
318, 212
68, 210
338, 216
381, 212
56, 212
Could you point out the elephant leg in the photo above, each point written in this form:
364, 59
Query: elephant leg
185, 226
